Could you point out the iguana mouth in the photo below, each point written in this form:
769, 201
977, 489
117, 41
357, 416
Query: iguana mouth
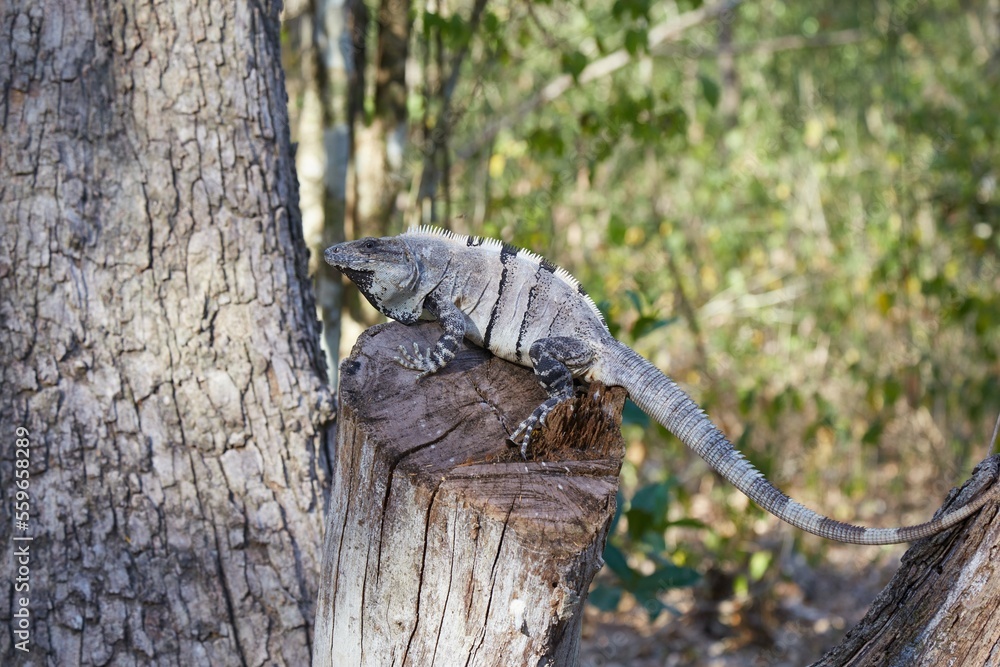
346, 261
363, 279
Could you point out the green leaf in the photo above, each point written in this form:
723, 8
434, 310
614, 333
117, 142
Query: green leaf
616, 234
669, 576
653, 499
893, 390
432, 21
632, 414
710, 89
654, 540
639, 523
548, 141
606, 598
573, 63
456, 32
615, 560
874, 433
645, 325
647, 514
647, 589
633, 8
759, 562
491, 23
636, 41
672, 123
651, 604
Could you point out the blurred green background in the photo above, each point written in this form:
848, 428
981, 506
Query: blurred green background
791, 208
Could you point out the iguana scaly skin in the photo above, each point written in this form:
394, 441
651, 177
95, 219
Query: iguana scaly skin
523, 309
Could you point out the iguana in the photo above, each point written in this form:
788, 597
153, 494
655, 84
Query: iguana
528, 311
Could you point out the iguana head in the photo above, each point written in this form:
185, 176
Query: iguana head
387, 272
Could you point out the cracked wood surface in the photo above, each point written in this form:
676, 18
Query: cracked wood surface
443, 547
158, 334
941, 607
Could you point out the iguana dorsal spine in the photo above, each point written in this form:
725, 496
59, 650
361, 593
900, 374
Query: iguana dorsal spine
526, 310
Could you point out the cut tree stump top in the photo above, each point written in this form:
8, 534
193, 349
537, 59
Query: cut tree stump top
450, 429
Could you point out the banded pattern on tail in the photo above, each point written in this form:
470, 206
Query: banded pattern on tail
661, 398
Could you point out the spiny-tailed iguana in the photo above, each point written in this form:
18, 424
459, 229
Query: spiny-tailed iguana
526, 310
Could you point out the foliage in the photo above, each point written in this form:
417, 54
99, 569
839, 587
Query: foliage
826, 251
836, 242
643, 540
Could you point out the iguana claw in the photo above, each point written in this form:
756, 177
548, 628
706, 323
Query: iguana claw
417, 361
535, 420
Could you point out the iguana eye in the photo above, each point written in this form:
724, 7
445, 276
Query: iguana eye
369, 245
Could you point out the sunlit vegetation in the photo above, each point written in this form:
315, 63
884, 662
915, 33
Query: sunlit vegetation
791, 208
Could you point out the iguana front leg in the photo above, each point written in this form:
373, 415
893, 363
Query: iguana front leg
555, 361
437, 357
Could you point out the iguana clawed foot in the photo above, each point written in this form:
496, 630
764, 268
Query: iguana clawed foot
424, 361
535, 420
523, 433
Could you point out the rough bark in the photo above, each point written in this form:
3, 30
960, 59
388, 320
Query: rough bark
941, 607
158, 336
443, 547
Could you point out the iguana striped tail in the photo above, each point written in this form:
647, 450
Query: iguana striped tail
660, 398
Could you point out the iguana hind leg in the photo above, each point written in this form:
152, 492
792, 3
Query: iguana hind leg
555, 360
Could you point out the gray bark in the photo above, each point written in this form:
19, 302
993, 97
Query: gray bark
159, 337
443, 547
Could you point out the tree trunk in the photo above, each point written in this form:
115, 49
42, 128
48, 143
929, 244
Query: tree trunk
443, 547
159, 339
380, 143
941, 607
339, 42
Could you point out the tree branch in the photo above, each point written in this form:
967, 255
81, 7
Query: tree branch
785, 43
658, 34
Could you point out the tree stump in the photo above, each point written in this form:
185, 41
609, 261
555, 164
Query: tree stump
943, 605
443, 547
